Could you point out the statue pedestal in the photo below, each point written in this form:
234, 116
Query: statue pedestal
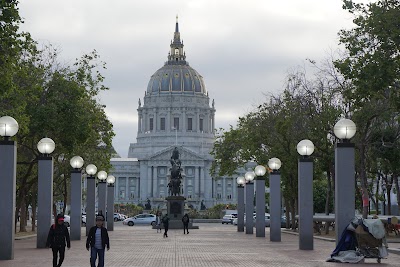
176, 210
175, 207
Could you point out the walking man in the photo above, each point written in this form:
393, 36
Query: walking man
185, 221
58, 236
165, 221
97, 240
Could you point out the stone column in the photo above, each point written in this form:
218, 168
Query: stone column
110, 207
240, 208
275, 206
45, 199
76, 204
102, 197
149, 182
8, 165
196, 182
201, 182
90, 202
306, 209
345, 187
260, 206
249, 207
155, 182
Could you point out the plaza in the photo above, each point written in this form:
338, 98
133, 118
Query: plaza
213, 244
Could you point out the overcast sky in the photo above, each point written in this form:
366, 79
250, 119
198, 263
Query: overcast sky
242, 48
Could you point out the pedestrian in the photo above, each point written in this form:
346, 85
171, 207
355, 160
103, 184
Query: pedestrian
185, 220
165, 221
97, 240
57, 238
158, 222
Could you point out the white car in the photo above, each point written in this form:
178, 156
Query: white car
267, 220
149, 219
228, 219
67, 220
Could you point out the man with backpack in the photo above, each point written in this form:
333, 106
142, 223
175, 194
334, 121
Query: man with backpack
57, 238
185, 220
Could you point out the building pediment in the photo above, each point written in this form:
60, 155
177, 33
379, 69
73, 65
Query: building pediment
184, 154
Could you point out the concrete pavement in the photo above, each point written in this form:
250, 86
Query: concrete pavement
212, 245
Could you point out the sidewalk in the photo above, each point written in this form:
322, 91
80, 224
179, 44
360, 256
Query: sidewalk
212, 245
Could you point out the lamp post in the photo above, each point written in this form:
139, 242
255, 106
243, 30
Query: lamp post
260, 200
102, 196
275, 199
249, 177
240, 206
45, 190
344, 129
91, 170
110, 202
8, 166
76, 197
305, 186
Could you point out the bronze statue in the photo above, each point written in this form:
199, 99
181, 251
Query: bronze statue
174, 185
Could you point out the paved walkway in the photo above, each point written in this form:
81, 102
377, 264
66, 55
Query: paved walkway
212, 245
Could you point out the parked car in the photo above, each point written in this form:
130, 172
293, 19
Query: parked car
267, 219
67, 220
283, 222
228, 219
117, 217
149, 219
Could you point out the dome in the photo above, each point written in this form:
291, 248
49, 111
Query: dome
176, 78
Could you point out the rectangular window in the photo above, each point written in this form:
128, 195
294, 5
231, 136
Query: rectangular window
132, 188
176, 123
162, 124
201, 125
151, 124
122, 188
190, 124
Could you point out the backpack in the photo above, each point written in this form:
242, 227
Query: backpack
185, 219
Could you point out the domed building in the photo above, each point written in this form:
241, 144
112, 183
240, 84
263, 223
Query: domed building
175, 112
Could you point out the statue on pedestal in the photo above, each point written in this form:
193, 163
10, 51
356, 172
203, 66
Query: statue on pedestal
174, 185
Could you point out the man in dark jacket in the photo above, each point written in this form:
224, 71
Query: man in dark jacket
185, 221
165, 221
97, 240
58, 236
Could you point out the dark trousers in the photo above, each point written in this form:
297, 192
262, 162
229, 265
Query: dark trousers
166, 230
186, 227
56, 251
94, 252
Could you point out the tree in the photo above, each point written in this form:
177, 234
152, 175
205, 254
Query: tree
373, 47
372, 67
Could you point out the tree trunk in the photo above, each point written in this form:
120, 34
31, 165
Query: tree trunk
328, 191
23, 219
396, 184
34, 215
65, 193
363, 179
